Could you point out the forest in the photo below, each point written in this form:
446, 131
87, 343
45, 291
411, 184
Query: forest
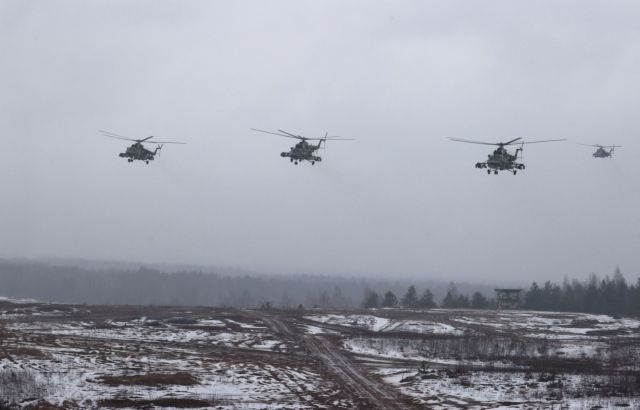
116, 284
608, 295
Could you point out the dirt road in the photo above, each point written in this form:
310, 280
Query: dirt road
368, 392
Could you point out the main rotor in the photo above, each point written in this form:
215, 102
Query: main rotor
517, 141
287, 134
601, 146
139, 141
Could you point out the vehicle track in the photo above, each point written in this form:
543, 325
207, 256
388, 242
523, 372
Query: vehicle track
373, 394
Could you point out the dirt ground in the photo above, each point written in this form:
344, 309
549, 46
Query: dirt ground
84, 356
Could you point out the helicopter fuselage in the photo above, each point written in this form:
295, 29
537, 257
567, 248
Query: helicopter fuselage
502, 160
138, 152
603, 153
302, 151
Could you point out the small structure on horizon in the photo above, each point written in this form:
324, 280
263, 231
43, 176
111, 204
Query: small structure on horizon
508, 298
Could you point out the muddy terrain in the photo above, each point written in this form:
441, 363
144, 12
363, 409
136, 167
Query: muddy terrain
83, 356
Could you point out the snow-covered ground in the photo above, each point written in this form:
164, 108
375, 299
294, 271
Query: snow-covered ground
502, 390
382, 324
552, 324
58, 358
470, 371
244, 359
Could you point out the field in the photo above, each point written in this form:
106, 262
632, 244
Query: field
83, 356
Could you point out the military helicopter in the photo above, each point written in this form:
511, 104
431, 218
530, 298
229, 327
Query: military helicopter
501, 159
303, 151
137, 151
601, 152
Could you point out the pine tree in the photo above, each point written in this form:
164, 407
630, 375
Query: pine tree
371, 299
410, 299
426, 300
389, 300
478, 301
462, 302
451, 298
533, 298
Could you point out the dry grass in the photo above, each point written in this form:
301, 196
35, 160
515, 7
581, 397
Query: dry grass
174, 402
27, 352
151, 379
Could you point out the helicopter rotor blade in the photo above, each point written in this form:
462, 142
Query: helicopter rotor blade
536, 142
122, 138
601, 146
293, 135
473, 142
278, 134
117, 136
167, 142
511, 142
114, 134
591, 145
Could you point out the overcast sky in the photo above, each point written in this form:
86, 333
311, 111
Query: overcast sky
399, 76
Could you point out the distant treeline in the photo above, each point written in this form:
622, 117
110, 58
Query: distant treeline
56, 282
115, 283
612, 296
410, 300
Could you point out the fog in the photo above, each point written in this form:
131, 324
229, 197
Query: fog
398, 76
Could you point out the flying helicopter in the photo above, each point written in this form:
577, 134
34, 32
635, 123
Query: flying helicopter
303, 151
501, 159
137, 151
601, 152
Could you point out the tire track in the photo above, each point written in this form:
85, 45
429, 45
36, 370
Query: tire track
352, 376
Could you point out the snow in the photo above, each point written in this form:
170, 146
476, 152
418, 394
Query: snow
381, 324
211, 322
80, 353
75, 354
480, 390
313, 330
566, 325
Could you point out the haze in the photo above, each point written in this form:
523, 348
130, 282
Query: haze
399, 76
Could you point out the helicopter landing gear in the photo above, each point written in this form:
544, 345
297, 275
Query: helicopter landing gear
129, 160
147, 162
515, 172
495, 172
488, 171
313, 162
296, 162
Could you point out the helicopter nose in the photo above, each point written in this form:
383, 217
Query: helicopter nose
121, 155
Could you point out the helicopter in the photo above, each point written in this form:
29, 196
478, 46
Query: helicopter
303, 151
601, 152
501, 159
137, 151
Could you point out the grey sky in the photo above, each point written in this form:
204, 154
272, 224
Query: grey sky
399, 76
